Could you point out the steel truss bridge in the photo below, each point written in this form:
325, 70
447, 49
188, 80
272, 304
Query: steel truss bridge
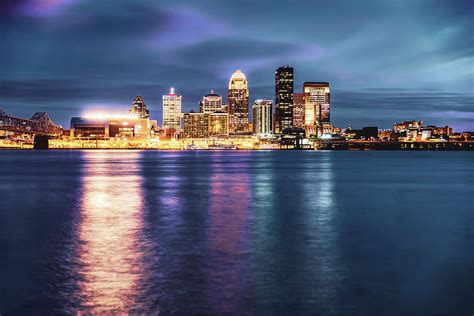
39, 125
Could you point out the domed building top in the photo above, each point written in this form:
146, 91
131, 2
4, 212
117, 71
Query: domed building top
238, 81
238, 74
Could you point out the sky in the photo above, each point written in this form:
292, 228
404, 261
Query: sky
386, 60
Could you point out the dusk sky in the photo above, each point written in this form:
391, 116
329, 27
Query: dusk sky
386, 60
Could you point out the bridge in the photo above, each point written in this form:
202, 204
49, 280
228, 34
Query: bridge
39, 125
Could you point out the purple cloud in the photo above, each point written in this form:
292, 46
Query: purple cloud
43, 8
185, 27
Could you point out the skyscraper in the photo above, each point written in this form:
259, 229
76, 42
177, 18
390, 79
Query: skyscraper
283, 98
211, 103
238, 103
262, 117
317, 105
172, 110
139, 108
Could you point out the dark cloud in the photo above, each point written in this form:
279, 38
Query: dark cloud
68, 55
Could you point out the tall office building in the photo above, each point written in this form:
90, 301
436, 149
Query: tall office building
298, 110
283, 98
317, 105
318, 93
139, 108
172, 110
262, 117
211, 103
238, 103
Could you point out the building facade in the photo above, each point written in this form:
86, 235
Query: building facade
283, 98
196, 125
262, 117
317, 106
219, 124
211, 103
113, 126
238, 103
298, 110
139, 108
172, 111
404, 126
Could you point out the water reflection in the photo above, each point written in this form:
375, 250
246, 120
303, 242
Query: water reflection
230, 200
109, 230
324, 261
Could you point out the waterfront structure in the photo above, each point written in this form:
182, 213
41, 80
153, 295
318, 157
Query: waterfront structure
441, 130
366, 133
172, 111
283, 98
414, 130
38, 124
211, 103
262, 117
196, 125
298, 110
103, 126
406, 125
139, 108
219, 124
317, 105
238, 103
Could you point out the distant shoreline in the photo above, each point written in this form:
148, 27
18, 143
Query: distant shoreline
380, 146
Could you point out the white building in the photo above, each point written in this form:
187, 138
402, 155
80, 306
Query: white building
262, 117
172, 111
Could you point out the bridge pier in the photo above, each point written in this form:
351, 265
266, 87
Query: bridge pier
41, 142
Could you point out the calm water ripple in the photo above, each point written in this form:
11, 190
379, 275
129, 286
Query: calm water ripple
332, 233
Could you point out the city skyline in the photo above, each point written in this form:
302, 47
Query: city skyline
68, 57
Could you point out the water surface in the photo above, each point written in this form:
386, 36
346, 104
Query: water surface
237, 232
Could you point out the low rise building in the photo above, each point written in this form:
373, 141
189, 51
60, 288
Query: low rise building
112, 126
219, 124
196, 125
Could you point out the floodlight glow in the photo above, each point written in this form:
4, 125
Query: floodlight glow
108, 116
326, 136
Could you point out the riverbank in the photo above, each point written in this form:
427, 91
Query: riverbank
230, 144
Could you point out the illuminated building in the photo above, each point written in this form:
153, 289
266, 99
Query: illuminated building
211, 103
310, 115
367, 133
317, 105
404, 126
103, 126
283, 98
238, 103
219, 124
139, 108
292, 138
172, 111
425, 133
443, 130
262, 117
298, 110
196, 125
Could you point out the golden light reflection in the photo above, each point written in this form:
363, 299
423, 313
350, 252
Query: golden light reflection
111, 262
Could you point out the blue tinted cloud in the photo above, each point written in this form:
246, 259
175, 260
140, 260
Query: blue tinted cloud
64, 54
